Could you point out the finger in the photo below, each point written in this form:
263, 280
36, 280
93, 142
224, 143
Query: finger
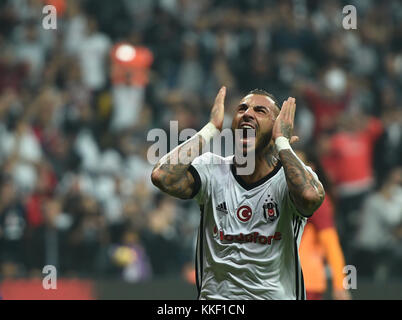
288, 112
220, 97
293, 109
288, 109
284, 109
292, 106
285, 105
294, 139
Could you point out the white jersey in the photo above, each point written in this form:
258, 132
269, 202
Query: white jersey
249, 235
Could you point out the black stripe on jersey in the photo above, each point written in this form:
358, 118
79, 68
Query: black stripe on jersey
296, 259
298, 272
298, 223
197, 271
303, 290
300, 290
199, 253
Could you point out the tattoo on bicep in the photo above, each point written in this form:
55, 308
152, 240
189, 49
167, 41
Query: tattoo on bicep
180, 186
298, 178
174, 179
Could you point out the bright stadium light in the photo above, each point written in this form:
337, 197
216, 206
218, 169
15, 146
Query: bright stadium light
125, 53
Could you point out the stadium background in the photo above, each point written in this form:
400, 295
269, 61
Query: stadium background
75, 187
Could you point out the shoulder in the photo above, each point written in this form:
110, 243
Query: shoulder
210, 158
210, 166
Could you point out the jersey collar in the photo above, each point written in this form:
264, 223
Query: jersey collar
249, 186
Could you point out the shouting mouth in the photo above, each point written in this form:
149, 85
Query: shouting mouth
247, 137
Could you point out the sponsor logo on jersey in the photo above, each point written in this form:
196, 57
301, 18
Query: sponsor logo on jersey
254, 237
222, 207
270, 210
244, 213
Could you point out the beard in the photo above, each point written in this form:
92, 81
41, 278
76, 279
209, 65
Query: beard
263, 144
266, 148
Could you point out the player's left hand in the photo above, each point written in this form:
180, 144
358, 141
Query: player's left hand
284, 123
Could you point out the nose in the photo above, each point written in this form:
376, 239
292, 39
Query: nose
249, 114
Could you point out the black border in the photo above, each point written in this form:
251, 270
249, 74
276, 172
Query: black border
148, 309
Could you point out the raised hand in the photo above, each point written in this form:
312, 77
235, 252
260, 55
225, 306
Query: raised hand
218, 110
285, 121
305, 189
171, 173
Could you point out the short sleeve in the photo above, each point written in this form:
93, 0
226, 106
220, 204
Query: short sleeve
284, 193
316, 178
201, 170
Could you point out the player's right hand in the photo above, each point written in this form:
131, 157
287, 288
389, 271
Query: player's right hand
218, 110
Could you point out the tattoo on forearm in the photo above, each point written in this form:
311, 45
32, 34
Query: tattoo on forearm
301, 183
172, 169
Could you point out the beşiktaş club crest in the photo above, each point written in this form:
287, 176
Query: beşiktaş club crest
270, 210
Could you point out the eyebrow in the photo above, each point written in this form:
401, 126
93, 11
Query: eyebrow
261, 107
258, 106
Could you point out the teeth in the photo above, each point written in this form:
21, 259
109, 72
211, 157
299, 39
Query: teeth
246, 126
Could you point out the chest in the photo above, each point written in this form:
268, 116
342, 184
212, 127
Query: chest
238, 210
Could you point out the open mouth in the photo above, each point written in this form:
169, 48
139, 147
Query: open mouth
247, 137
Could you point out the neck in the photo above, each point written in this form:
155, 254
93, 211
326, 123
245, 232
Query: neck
264, 165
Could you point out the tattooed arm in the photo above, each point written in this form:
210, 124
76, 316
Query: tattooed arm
171, 173
305, 189
173, 177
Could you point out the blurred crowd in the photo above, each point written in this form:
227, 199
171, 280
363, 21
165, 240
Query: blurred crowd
75, 188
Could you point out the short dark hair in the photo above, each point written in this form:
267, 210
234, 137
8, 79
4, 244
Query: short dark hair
262, 92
